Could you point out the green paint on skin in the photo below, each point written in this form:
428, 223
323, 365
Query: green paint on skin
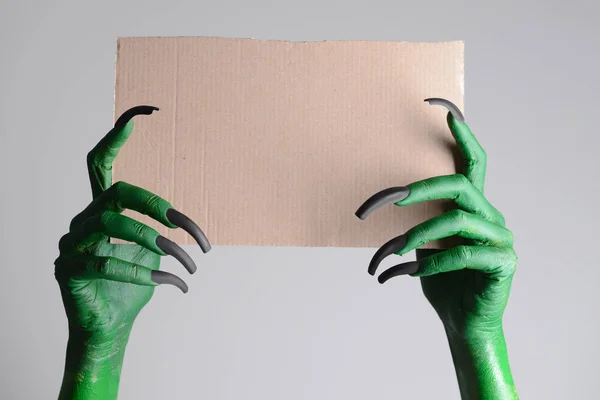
110, 224
468, 285
103, 285
457, 223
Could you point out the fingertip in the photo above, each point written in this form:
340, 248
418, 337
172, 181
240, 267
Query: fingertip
128, 126
123, 130
453, 122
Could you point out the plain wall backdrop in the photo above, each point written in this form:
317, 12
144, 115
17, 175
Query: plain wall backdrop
292, 323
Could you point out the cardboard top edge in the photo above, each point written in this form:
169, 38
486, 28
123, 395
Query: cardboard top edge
293, 42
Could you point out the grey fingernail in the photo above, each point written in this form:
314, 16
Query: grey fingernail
185, 223
387, 249
174, 250
132, 112
407, 268
162, 278
386, 196
449, 105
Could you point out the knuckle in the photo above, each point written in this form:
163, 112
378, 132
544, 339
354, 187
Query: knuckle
462, 180
77, 220
117, 192
424, 184
74, 222
459, 217
482, 154
510, 264
91, 157
119, 186
157, 205
462, 185
101, 266
67, 267
463, 252
432, 265
121, 189
152, 200
473, 162
510, 237
63, 243
140, 229
512, 256
133, 273
501, 219
59, 271
106, 219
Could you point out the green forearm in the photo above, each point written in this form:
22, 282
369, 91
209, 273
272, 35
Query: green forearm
92, 369
482, 367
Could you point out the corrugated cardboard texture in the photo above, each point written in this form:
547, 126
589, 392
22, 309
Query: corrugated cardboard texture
278, 143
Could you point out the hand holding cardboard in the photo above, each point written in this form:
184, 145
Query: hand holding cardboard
468, 285
287, 125
105, 285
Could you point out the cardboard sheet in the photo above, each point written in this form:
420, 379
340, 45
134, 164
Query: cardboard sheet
275, 143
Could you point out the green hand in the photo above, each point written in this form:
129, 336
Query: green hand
468, 285
104, 285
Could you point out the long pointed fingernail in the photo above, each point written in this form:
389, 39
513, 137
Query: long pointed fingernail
182, 221
400, 269
166, 278
449, 105
390, 247
379, 199
132, 112
174, 250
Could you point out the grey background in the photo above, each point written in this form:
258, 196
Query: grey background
279, 323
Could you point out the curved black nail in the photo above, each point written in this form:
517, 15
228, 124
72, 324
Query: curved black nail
174, 250
449, 105
397, 270
162, 278
387, 249
182, 221
132, 112
386, 196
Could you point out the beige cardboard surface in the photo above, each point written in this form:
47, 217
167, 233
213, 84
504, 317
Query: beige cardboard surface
278, 143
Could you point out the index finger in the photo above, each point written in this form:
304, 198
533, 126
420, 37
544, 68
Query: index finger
475, 159
100, 159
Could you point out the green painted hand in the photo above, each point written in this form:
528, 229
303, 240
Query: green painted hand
104, 285
468, 285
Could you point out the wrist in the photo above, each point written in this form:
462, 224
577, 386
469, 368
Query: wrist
93, 366
482, 366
